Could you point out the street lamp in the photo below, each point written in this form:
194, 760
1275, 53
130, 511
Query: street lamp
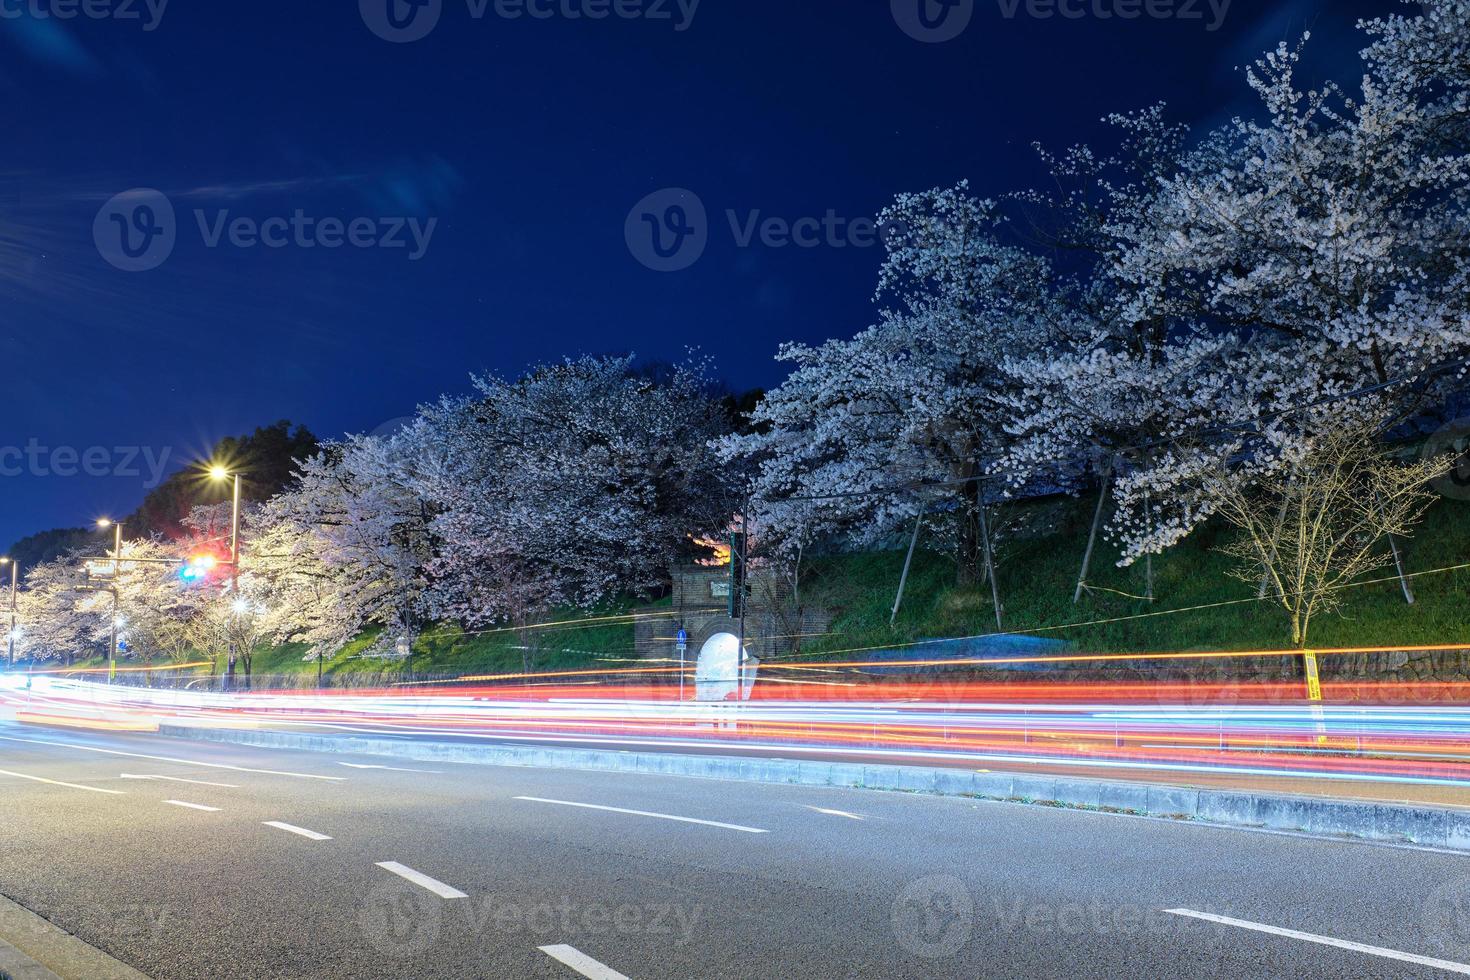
219, 474
14, 575
117, 529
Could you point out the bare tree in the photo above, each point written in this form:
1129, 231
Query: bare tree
1319, 521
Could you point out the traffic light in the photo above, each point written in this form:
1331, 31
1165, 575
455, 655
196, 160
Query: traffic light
197, 568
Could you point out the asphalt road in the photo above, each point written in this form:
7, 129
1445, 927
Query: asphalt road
837, 883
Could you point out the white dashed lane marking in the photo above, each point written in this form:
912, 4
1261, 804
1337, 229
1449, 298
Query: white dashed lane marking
646, 813
422, 880
177, 779
298, 831
1307, 937
57, 782
581, 962
165, 758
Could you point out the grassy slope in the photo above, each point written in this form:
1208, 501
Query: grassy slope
449, 651
1038, 576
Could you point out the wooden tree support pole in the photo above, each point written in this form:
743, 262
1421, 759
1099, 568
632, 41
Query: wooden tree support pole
907, 562
1092, 537
1398, 564
989, 552
1148, 559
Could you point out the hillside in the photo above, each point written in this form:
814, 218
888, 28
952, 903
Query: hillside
1038, 575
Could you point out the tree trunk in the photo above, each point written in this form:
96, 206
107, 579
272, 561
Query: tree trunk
968, 561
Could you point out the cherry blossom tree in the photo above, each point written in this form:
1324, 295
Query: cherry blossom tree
577, 483
918, 398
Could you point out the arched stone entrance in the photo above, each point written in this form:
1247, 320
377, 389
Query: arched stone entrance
718, 674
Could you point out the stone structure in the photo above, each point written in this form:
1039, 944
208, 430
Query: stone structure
701, 599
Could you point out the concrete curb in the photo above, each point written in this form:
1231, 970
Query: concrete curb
43, 951
15, 965
1363, 820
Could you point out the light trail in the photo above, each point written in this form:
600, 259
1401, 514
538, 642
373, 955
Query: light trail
1391, 732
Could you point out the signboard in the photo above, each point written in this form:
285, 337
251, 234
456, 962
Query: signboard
720, 590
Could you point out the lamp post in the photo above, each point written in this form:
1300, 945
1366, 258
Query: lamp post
117, 528
220, 474
14, 576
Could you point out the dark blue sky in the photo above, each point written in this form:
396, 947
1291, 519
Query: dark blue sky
529, 141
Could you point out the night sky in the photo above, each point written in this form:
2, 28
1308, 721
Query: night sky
528, 141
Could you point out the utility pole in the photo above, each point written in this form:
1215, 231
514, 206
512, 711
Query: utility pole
739, 584
14, 576
220, 473
117, 529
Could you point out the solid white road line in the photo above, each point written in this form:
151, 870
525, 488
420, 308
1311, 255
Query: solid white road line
53, 782
581, 962
177, 779
836, 813
165, 758
422, 880
300, 831
1391, 954
645, 813
352, 765
193, 806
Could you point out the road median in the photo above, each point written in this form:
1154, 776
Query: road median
1422, 825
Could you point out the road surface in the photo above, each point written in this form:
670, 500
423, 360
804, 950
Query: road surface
217, 865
